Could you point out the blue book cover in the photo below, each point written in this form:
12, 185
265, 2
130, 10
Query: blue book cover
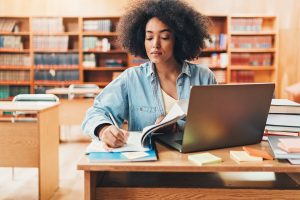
101, 157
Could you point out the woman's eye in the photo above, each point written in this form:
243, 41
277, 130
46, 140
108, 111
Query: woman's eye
165, 37
149, 38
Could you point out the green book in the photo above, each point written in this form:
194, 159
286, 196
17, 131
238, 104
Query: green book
204, 158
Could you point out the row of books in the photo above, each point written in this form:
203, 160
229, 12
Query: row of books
104, 25
94, 43
15, 60
246, 24
10, 91
11, 75
51, 43
136, 61
247, 42
217, 41
60, 59
50, 25
89, 60
11, 42
114, 63
283, 118
252, 59
214, 61
7, 25
244, 76
56, 75
220, 76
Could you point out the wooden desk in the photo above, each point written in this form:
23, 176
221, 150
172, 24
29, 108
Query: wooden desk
32, 144
173, 176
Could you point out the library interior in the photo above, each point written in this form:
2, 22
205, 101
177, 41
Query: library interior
78, 112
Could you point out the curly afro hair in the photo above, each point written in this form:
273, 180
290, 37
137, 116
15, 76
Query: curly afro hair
189, 27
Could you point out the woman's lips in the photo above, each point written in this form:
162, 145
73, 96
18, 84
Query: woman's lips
156, 53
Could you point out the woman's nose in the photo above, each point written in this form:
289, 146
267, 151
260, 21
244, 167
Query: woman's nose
156, 43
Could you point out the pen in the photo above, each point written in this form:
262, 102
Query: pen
115, 123
113, 120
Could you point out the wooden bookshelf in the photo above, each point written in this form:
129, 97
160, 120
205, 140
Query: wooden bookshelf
253, 49
15, 59
101, 55
61, 45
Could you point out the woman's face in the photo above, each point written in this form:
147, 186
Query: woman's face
159, 41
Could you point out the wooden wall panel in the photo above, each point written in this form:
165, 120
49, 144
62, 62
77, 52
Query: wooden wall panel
288, 12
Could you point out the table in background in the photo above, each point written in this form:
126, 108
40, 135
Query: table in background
173, 176
72, 111
32, 143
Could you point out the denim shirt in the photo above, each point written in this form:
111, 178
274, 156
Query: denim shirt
136, 96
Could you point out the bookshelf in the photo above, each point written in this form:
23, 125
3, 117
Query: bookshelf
15, 64
40, 53
215, 54
102, 57
55, 52
253, 48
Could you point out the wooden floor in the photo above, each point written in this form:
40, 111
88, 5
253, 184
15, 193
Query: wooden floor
24, 185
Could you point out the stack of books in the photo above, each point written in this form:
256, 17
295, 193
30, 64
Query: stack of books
286, 147
283, 118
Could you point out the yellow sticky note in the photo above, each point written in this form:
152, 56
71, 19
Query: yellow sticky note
204, 158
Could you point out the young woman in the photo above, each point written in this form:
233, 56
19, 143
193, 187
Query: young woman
167, 32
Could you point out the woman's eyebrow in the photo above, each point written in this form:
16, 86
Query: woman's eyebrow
163, 30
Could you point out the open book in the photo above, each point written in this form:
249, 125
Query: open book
141, 141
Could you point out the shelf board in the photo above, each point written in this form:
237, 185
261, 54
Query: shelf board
5, 50
15, 33
104, 69
251, 50
8, 67
253, 33
56, 67
253, 68
55, 51
98, 33
55, 34
55, 83
252, 16
213, 50
101, 84
218, 68
14, 83
104, 52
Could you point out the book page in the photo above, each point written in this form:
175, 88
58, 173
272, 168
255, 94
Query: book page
133, 144
283, 102
178, 111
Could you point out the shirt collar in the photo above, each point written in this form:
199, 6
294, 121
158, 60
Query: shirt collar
186, 69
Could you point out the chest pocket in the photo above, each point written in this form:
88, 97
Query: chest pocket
145, 109
143, 116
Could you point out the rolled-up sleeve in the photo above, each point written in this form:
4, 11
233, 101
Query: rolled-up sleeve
112, 99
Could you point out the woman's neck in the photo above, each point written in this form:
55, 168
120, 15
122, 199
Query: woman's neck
168, 68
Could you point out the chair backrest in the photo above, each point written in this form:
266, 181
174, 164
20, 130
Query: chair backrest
36, 97
32, 98
90, 88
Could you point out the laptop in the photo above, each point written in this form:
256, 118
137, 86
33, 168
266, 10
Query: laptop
221, 116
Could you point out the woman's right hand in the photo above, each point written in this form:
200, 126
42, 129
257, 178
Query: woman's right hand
113, 137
